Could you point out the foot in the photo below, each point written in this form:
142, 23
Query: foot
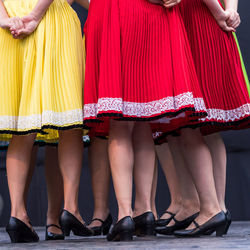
172, 209
54, 229
203, 218
23, 217
183, 213
76, 214
102, 215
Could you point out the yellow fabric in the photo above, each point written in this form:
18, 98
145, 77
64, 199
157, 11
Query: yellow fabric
41, 76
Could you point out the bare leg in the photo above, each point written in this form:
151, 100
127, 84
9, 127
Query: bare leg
154, 188
219, 157
144, 153
54, 188
121, 161
167, 164
100, 177
189, 197
18, 165
199, 163
70, 153
31, 172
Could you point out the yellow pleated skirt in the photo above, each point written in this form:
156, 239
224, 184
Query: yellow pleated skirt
41, 76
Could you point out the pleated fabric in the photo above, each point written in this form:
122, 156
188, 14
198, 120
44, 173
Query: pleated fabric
41, 76
220, 70
138, 66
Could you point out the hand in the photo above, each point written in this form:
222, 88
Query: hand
222, 21
170, 3
30, 25
8, 23
234, 18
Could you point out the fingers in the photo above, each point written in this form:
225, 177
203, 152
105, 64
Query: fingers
170, 3
234, 21
227, 28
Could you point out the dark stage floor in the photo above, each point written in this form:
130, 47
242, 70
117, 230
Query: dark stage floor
238, 238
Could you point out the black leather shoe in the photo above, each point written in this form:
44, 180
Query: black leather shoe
164, 222
216, 223
169, 230
145, 224
19, 232
53, 236
123, 230
228, 223
69, 222
104, 228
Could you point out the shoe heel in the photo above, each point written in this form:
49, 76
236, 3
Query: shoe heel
148, 230
105, 230
14, 236
66, 231
226, 228
126, 236
220, 231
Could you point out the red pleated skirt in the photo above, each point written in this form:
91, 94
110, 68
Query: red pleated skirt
139, 66
219, 70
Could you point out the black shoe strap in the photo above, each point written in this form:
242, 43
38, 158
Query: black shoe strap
97, 219
53, 225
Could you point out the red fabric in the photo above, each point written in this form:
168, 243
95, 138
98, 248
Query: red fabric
138, 65
219, 70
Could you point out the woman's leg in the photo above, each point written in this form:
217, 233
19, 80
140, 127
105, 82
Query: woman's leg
31, 171
219, 157
100, 177
199, 163
154, 189
54, 184
121, 158
70, 154
18, 166
167, 164
189, 197
144, 162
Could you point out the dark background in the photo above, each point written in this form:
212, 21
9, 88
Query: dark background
238, 177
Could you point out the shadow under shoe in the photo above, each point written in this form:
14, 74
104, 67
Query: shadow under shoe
164, 222
145, 224
69, 222
104, 228
169, 230
19, 232
216, 223
123, 230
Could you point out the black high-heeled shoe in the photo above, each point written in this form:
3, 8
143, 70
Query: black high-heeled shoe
123, 230
216, 223
145, 224
164, 222
169, 230
69, 222
228, 223
104, 228
53, 236
19, 232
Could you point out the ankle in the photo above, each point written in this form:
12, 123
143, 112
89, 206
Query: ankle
52, 220
124, 212
209, 210
21, 215
190, 205
175, 206
223, 207
141, 209
101, 213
